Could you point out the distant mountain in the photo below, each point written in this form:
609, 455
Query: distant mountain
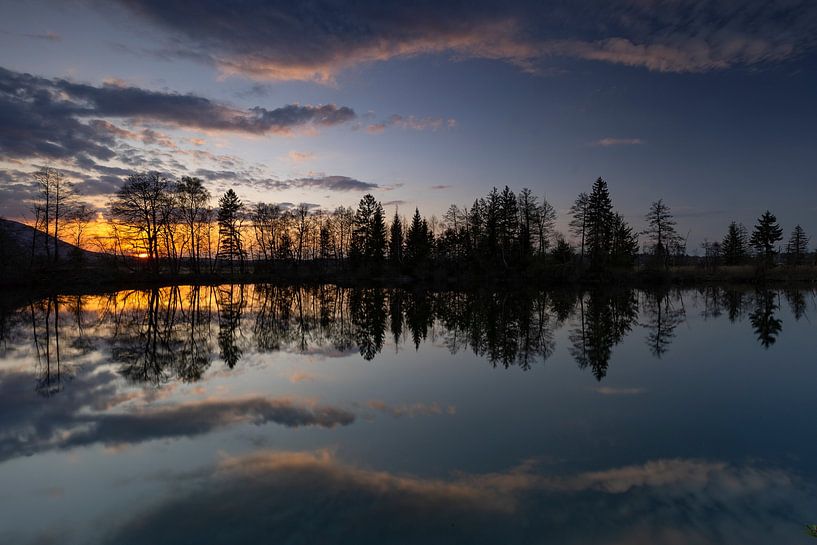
17, 241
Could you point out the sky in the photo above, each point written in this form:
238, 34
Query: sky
707, 105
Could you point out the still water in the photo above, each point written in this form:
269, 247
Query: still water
316, 415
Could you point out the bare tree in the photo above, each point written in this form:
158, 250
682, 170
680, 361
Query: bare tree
139, 206
51, 207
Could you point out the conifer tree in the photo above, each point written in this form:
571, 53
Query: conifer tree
766, 234
396, 241
797, 248
734, 246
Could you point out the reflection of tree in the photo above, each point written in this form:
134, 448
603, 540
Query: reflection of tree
396, 313
368, 311
507, 328
767, 327
664, 312
604, 320
142, 345
230, 300
736, 302
47, 344
193, 356
797, 302
419, 315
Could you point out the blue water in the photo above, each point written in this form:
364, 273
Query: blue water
262, 414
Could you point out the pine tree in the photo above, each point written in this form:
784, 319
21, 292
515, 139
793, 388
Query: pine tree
230, 246
598, 224
767, 232
624, 248
396, 241
578, 223
418, 241
734, 246
376, 247
363, 229
797, 248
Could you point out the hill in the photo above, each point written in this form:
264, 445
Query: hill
18, 241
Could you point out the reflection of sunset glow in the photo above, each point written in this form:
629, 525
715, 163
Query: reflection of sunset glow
143, 255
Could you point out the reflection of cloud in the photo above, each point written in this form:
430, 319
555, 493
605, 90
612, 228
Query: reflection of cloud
410, 410
301, 376
612, 391
315, 498
609, 142
29, 425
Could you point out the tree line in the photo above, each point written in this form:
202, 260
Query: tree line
172, 224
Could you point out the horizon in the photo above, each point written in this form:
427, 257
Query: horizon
705, 105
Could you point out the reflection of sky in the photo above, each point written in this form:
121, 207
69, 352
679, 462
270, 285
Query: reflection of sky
708, 444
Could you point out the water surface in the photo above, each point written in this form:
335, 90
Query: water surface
268, 414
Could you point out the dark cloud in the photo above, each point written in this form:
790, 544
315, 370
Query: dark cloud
303, 497
327, 183
46, 117
315, 40
333, 183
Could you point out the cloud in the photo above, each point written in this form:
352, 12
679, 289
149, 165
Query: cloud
321, 182
315, 41
47, 117
440, 186
413, 123
48, 36
609, 142
300, 156
317, 498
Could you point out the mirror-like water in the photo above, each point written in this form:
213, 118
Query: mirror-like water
267, 414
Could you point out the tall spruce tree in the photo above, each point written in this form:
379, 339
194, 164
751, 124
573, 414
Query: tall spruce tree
797, 248
766, 235
734, 249
229, 232
396, 242
578, 222
598, 224
418, 241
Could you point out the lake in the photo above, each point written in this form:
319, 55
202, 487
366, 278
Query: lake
316, 415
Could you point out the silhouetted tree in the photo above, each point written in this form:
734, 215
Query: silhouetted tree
229, 229
52, 206
734, 248
624, 246
369, 232
598, 224
797, 248
419, 241
140, 206
766, 234
396, 242
578, 222
192, 198
661, 231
